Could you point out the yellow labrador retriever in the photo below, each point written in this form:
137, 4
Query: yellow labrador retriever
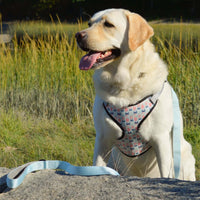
133, 112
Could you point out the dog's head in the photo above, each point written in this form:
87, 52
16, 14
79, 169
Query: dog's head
111, 33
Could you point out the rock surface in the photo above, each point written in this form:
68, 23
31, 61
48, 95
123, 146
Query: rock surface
50, 184
5, 36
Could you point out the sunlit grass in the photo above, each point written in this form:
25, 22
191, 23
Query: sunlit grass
183, 35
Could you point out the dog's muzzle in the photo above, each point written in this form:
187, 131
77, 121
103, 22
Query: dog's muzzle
81, 38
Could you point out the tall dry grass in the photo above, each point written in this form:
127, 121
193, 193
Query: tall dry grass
42, 77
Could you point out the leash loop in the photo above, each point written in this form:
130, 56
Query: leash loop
17, 175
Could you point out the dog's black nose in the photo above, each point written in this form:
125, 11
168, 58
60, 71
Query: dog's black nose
81, 36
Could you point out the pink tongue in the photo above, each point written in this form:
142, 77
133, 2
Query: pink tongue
88, 61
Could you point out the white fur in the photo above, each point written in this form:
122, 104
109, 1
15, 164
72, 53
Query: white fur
126, 80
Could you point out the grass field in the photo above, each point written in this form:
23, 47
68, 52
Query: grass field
46, 101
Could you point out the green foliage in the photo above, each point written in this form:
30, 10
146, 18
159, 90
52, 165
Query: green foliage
73, 9
45, 7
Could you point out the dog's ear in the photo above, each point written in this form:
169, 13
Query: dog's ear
139, 30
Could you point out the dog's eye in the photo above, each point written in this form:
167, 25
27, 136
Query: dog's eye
108, 24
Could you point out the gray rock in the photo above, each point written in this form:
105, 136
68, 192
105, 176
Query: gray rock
5, 35
50, 184
5, 38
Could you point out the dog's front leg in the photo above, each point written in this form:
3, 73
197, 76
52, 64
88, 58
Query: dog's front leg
107, 132
163, 151
102, 151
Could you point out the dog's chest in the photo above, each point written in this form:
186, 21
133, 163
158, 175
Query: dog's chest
129, 119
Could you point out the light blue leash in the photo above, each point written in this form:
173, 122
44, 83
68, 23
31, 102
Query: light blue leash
16, 176
176, 134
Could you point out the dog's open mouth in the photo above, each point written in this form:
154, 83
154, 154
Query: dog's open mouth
95, 58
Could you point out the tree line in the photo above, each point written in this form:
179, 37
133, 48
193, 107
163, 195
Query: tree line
71, 10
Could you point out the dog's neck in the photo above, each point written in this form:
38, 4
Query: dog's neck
132, 77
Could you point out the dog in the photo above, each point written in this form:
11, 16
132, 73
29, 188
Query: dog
130, 77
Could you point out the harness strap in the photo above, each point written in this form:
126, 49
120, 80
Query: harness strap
155, 97
176, 134
129, 119
17, 175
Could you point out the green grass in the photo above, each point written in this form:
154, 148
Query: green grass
24, 139
46, 101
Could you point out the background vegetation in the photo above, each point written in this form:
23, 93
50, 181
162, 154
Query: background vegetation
70, 10
46, 101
